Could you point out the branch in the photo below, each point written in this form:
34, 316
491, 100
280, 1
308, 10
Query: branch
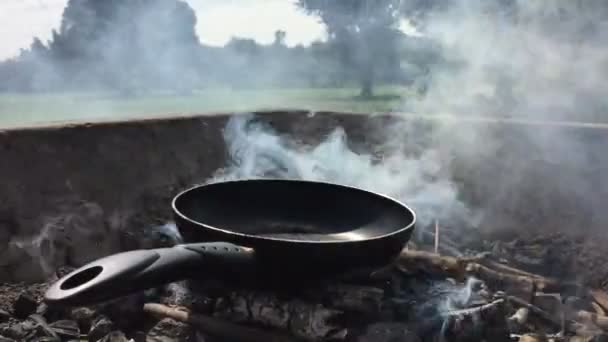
216, 327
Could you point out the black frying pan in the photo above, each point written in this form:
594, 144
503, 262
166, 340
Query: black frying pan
271, 229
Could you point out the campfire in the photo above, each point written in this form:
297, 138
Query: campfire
427, 294
454, 280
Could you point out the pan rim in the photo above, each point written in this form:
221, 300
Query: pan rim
285, 240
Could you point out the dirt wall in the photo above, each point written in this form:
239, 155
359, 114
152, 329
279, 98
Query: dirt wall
91, 189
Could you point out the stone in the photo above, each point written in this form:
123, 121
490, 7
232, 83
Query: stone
390, 331
83, 316
101, 327
4, 316
51, 313
168, 330
114, 336
127, 312
6, 339
24, 306
600, 338
23, 331
66, 329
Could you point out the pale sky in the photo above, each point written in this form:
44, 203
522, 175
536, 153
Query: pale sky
218, 21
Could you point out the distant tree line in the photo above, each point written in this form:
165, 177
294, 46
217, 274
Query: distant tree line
151, 45
136, 46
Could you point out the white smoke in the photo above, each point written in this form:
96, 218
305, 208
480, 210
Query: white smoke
460, 296
75, 236
533, 61
165, 231
257, 151
527, 60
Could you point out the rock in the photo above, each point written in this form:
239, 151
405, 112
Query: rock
83, 316
101, 327
51, 313
139, 336
16, 330
126, 312
168, 330
23, 331
203, 305
6, 339
66, 328
390, 331
4, 316
24, 306
114, 336
599, 338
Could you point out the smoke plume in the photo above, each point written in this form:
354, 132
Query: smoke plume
519, 58
535, 62
499, 59
257, 151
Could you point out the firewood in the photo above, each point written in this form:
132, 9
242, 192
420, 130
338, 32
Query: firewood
484, 322
517, 285
477, 310
216, 327
509, 269
600, 297
517, 282
561, 308
591, 318
296, 315
542, 314
446, 245
413, 261
356, 298
520, 317
532, 338
491, 275
436, 249
598, 309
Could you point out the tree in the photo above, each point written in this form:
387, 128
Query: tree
121, 44
279, 38
363, 33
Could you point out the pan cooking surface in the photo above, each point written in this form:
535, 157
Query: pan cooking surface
294, 210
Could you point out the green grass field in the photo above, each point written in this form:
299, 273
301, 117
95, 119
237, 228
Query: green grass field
23, 109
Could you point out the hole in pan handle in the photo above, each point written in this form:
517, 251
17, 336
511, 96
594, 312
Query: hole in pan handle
129, 272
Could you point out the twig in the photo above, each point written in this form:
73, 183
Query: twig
216, 327
525, 284
536, 310
476, 309
562, 314
600, 297
446, 246
589, 317
428, 262
436, 236
598, 309
509, 269
520, 316
529, 338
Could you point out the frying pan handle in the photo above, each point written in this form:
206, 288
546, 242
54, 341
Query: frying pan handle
129, 272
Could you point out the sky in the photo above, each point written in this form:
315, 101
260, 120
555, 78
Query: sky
218, 21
